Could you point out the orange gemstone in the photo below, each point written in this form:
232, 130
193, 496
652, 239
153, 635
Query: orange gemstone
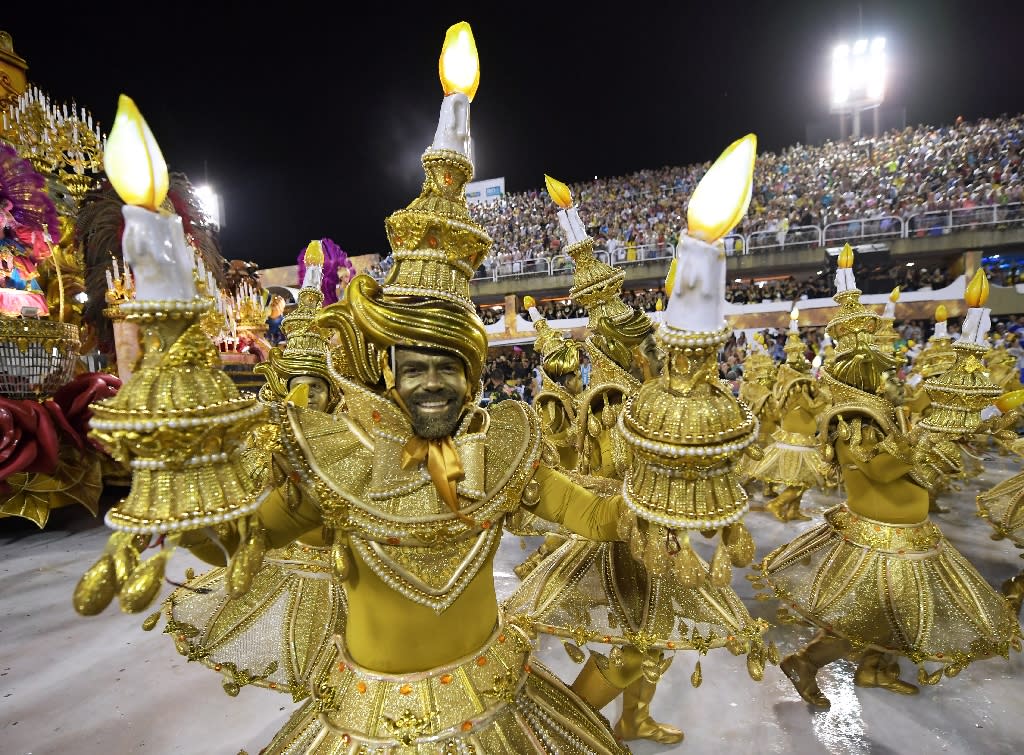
607, 638
361, 688
181, 637
447, 179
394, 541
536, 463
294, 477
273, 685
730, 638
217, 667
467, 725
527, 669
376, 416
486, 524
501, 638
341, 667
938, 655
446, 678
671, 645
431, 242
481, 661
405, 689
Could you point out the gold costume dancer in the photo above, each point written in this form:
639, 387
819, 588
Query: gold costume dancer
1003, 505
793, 461
878, 577
642, 600
410, 485
279, 634
759, 371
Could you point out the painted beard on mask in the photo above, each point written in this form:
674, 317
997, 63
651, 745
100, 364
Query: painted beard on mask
435, 414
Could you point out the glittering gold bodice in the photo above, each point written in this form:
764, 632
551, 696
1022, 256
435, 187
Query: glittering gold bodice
422, 576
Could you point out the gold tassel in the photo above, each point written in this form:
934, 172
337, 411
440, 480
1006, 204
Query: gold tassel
96, 588
741, 546
755, 664
721, 569
923, 677
151, 621
688, 568
696, 677
577, 655
144, 583
773, 654
247, 560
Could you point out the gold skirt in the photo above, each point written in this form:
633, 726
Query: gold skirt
590, 592
1003, 507
897, 588
793, 460
278, 635
496, 701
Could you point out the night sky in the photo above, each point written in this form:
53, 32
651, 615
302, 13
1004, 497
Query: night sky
310, 122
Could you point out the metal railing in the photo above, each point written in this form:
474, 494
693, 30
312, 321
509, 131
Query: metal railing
854, 231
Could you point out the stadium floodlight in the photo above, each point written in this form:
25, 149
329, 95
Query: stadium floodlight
858, 77
212, 205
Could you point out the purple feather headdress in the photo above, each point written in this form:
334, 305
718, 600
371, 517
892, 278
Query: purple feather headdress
334, 258
26, 189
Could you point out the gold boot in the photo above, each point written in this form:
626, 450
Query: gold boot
598, 686
1013, 589
786, 505
802, 667
875, 670
636, 721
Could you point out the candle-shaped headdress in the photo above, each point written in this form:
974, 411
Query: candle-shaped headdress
941, 315
617, 328
560, 356
153, 245
960, 393
424, 302
306, 349
696, 280
890, 306
796, 351
687, 427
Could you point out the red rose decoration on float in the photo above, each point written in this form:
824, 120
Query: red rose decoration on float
28, 440
74, 399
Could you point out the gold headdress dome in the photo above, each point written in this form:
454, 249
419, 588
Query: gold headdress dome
853, 321
959, 394
306, 350
424, 302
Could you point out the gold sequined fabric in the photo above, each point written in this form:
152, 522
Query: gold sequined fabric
590, 592
792, 460
1003, 507
496, 700
279, 635
896, 588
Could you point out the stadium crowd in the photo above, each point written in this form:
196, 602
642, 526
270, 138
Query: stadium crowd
870, 185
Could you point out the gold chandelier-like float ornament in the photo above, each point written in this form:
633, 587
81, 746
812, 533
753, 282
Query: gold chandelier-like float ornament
685, 430
58, 141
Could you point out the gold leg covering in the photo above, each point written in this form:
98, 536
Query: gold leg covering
786, 505
636, 721
601, 682
802, 667
877, 669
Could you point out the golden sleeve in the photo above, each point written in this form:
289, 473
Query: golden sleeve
573, 506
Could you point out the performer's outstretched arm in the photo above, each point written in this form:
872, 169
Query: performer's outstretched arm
582, 511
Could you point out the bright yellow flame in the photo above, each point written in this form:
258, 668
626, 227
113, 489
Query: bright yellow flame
314, 253
559, 192
529, 301
721, 198
846, 256
941, 313
1009, 401
670, 279
659, 306
795, 314
132, 159
895, 295
459, 64
977, 290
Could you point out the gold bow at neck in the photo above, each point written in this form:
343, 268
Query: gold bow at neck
443, 463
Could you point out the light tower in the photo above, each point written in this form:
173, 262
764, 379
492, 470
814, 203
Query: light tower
858, 81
